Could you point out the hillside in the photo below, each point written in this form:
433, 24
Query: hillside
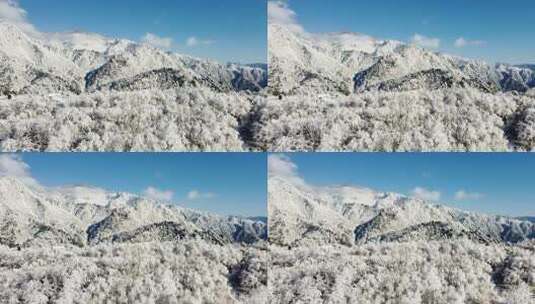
353, 92
345, 63
97, 246
86, 92
78, 62
350, 244
301, 214
32, 214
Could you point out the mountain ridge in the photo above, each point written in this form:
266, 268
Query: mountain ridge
345, 63
29, 213
73, 63
301, 214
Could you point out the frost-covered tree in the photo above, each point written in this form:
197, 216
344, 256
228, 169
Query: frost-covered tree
413, 272
157, 272
420, 120
171, 120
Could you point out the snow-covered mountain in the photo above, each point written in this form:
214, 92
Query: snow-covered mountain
85, 62
301, 214
527, 218
347, 244
343, 63
31, 215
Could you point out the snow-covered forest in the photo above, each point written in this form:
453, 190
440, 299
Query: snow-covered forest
436, 272
348, 244
421, 120
152, 272
352, 92
117, 95
149, 120
85, 92
203, 120
80, 244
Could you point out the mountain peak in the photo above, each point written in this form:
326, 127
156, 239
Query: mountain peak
10, 33
79, 40
71, 214
6, 27
80, 62
345, 63
336, 213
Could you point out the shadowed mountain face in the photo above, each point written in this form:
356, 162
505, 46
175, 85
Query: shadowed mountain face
526, 66
307, 215
33, 65
31, 215
343, 63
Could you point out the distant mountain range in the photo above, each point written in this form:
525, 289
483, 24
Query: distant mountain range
527, 218
344, 63
80, 216
300, 214
526, 66
77, 62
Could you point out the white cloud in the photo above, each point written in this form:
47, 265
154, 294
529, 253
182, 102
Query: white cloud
281, 165
84, 194
280, 13
157, 41
425, 194
462, 195
427, 42
461, 42
11, 12
194, 41
82, 40
195, 194
157, 194
12, 165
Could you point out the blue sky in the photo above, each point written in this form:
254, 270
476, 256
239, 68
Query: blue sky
229, 30
224, 183
491, 183
493, 30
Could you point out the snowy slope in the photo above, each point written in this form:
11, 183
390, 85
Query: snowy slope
32, 214
343, 63
85, 92
29, 66
301, 214
78, 62
79, 244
